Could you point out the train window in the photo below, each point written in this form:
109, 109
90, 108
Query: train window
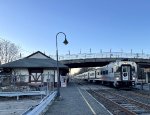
133, 68
124, 70
91, 74
97, 73
106, 71
112, 70
118, 69
101, 72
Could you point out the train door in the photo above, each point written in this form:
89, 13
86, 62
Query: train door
125, 73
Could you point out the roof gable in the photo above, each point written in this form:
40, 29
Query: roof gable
38, 55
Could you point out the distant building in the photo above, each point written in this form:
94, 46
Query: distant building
35, 69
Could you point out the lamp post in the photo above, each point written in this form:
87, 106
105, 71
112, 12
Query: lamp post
58, 76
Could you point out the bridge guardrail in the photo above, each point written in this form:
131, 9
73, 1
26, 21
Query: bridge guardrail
102, 55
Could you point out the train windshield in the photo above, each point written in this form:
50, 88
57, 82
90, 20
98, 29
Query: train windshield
124, 69
126, 72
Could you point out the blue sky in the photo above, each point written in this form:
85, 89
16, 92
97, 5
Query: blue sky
95, 24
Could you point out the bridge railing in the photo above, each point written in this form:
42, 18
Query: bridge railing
102, 55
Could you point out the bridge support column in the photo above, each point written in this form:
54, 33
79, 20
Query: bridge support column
17, 98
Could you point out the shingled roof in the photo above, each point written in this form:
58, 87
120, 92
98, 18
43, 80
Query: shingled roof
32, 62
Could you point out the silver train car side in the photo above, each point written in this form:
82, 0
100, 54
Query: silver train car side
119, 73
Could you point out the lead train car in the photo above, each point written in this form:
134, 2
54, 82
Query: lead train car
119, 73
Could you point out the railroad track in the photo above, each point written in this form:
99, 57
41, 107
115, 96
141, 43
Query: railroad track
143, 97
120, 105
141, 94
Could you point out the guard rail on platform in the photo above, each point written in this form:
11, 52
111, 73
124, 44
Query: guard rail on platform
42, 106
28, 93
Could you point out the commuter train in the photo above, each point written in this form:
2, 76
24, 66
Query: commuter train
118, 74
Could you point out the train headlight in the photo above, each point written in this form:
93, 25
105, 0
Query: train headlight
117, 78
133, 78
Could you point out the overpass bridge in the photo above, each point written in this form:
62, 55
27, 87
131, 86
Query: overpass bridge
101, 59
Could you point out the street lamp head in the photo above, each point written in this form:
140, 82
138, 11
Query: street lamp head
65, 41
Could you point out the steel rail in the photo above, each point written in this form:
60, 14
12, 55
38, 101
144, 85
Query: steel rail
139, 94
116, 104
129, 105
143, 105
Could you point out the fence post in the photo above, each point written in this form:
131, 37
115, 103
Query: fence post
48, 80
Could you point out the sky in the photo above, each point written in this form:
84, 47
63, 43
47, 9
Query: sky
88, 24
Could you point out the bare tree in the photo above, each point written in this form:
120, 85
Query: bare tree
8, 51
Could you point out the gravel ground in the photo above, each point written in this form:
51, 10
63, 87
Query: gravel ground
138, 95
10, 106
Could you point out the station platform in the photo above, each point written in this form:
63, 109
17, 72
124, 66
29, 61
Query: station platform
76, 101
143, 87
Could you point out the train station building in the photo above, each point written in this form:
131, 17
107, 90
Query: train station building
34, 69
